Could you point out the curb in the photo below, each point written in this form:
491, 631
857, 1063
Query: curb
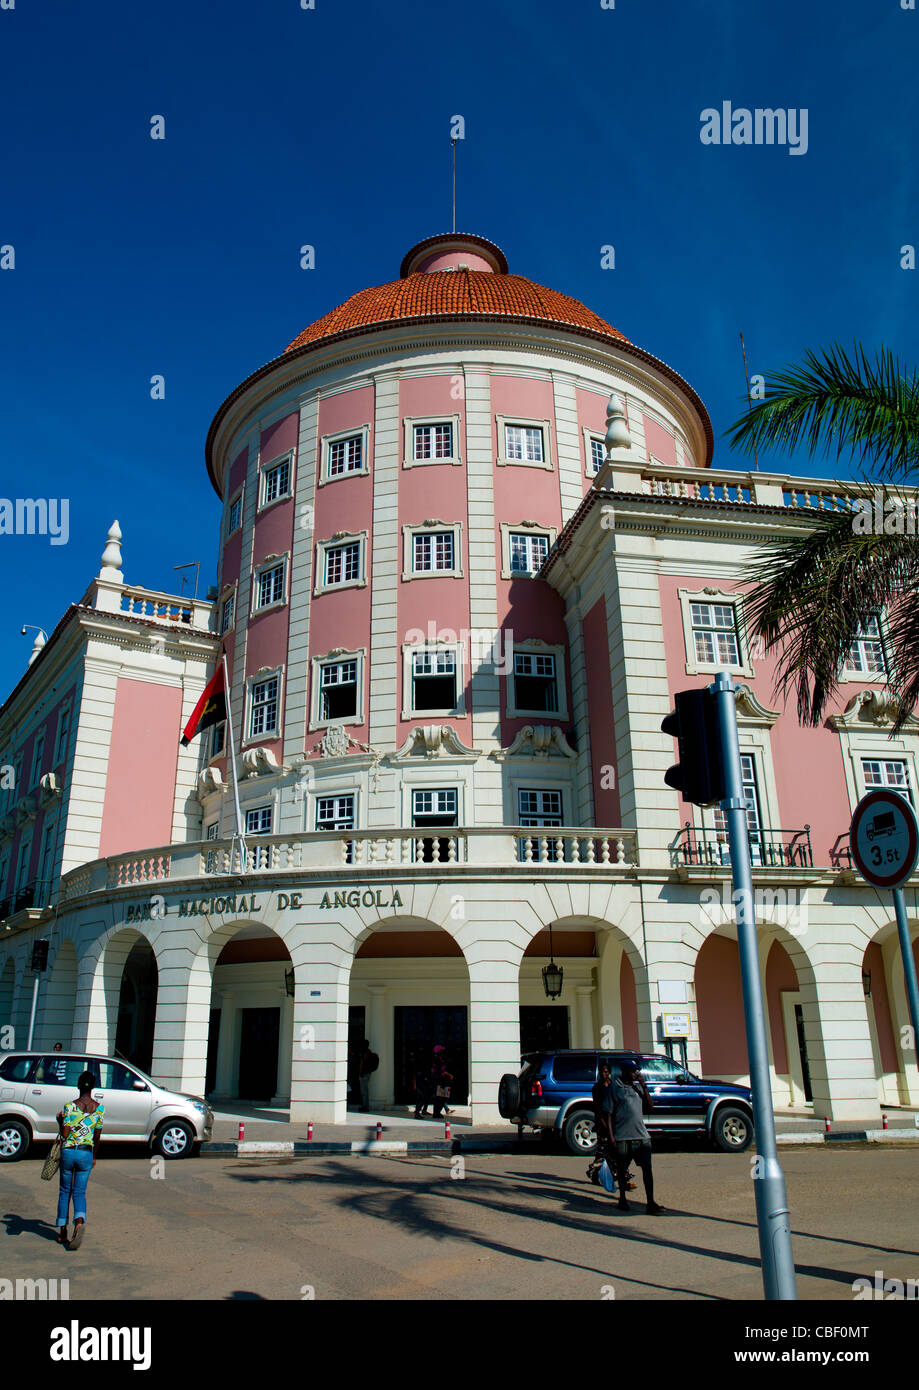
851, 1136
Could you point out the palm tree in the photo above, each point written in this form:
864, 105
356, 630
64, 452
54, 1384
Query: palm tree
814, 590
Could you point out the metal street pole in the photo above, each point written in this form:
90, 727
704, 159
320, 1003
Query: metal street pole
909, 964
771, 1201
32, 1015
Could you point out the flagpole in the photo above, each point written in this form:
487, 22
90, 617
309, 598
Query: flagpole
239, 839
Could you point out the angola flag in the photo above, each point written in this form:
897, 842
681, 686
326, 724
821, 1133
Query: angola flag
210, 709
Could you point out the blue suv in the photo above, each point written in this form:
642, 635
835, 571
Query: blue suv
553, 1092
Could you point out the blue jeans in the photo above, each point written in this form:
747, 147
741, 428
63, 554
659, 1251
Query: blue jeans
76, 1166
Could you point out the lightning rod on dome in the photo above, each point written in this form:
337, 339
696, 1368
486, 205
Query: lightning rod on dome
749, 406
453, 143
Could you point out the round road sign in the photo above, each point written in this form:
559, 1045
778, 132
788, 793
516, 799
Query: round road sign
884, 839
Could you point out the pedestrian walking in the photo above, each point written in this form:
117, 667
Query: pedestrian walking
630, 1096
367, 1065
80, 1124
421, 1085
57, 1066
603, 1124
440, 1082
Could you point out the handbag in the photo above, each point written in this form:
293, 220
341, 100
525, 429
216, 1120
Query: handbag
442, 1092
606, 1179
53, 1161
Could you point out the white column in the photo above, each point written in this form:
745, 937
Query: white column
494, 1020
319, 1067
381, 1086
585, 1017
224, 1079
183, 1006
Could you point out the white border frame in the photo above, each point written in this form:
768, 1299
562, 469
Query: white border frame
241, 494
732, 600
590, 435
431, 528
270, 562
426, 715
229, 591
849, 676
331, 543
525, 423
264, 468
538, 647
326, 440
518, 528
408, 440
268, 735
316, 664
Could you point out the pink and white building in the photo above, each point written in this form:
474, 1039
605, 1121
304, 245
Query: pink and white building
471, 543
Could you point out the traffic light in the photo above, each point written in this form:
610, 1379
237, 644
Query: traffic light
40, 955
699, 774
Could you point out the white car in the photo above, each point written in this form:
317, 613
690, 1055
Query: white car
34, 1087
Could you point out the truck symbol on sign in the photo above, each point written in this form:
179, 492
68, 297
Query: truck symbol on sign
882, 825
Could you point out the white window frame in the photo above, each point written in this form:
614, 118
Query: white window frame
47, 854
408, 650
536, 647
228, 596
589, 437
266, 735
65, 712
258, 811
270, 562
264, 504
744, 666
211, 734
327, 440
38, 757
238, 496
851, 673
335, 796
214, 827
408, 440
330, 658
23, 860
886, 756
523, 423
340, 538
521, 528
431, 528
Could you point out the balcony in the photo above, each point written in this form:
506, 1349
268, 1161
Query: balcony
721, 485
566, 850
769, 849
35, 894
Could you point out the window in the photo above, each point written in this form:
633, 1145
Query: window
523, 442
258, 820
46, 866
345, 454
538, 808
660, 1070
58, 1070
342, 563
866, 651
218, 739
433, 441
579, 1069
211, 831
528, 550
63, 735
714, 634
434, 679
227, 611
15, 787
263, 717
432, 809
276, 481
235, 514
16, 1068
22, 865
338, 690
337, 813
270, 586
38, 757
535, 682
433, 551
597, 454
112, 1076
890, 773
754, 818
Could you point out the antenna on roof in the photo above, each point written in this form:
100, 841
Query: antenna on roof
196, 566
749, 406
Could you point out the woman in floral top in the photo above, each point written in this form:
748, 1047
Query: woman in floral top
80, 1124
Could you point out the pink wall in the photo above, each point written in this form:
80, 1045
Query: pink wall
719, 1003
232, 548
880, 1002
453, 258
628, 1003
660, 442
780, 975
600, 699
143, 756
803, 759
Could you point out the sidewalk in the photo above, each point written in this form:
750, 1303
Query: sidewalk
268, 1132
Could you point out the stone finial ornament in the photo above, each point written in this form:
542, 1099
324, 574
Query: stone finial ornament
617, 431
111, 555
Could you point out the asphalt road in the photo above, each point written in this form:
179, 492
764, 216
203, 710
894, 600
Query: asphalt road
495, 1227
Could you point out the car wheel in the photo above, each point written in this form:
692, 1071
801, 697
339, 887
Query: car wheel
174, 1140
732, 1131
14, 1140
580, 1132
508, 1096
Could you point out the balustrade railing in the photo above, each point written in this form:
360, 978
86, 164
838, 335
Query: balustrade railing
769, 849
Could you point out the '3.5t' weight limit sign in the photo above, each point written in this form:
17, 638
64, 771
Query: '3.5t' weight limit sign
884, 839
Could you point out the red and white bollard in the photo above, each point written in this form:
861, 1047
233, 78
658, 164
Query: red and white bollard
884, 1120
379, 1130
242, 1131
446, 1129
309, 1130
826, 1124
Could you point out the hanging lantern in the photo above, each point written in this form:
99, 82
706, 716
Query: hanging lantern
552, 974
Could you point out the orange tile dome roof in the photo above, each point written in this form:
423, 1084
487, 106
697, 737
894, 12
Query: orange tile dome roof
455, 294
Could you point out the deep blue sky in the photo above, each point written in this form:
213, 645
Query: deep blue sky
331, 127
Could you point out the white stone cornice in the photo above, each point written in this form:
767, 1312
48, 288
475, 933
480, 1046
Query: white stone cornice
537, 741
48, 790
258, 761
871, 709
433, 741
751, 711
26, 811
210, 780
